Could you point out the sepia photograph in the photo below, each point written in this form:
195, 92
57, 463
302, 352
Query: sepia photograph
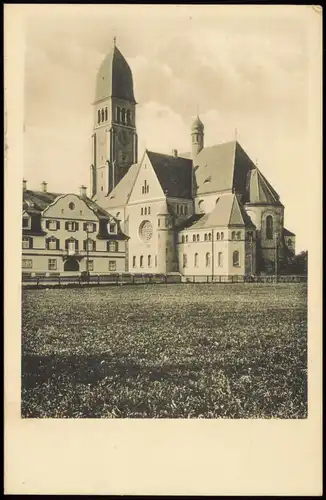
163, 250
164, 258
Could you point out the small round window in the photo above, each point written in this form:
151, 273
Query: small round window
146, 230
71, 205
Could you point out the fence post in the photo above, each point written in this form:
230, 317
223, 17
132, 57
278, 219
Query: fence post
37, 281
59, 278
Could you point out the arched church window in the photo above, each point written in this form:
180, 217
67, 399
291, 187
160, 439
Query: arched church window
99, 116
196, 260
208, 259
141, 260
106, 114
102, 114
193, 237
128, 117
222, 235
269, 227
149, 261
123, 116
289, 242
184, 260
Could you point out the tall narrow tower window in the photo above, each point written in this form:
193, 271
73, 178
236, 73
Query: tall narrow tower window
128, 117
269, 227
118, 114
123, 116
99, 116
102, 114
106, 114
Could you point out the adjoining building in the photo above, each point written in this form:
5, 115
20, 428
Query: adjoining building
68, 234
208, 212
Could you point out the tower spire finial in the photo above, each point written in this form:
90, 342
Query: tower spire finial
114, 41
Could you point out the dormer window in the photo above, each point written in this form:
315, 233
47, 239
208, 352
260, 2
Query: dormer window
26, 222
112, 227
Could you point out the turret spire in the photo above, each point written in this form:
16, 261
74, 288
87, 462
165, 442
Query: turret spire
197, 136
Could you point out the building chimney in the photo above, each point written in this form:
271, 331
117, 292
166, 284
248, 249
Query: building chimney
83, 191
175, 153
24, 185
44, 186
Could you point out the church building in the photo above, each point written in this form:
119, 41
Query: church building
207, 212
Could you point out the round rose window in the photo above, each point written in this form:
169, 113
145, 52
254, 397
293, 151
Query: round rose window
146, 230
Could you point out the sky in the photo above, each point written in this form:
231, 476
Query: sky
247, 71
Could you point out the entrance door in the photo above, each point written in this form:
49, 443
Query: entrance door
71, 265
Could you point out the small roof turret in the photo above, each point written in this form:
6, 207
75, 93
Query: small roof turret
197, 125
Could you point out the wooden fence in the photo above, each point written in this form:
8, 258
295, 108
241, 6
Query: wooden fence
43, 281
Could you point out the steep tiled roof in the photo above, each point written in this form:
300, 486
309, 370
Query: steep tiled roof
173, 173
222, 168
121, 193
100, 212
227, 212
36, 201
114, 78
259, 189
286, 232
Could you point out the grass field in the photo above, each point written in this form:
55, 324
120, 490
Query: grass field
167, 351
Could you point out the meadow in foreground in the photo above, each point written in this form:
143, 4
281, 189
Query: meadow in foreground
166, 351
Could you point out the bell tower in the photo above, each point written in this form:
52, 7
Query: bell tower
114, 139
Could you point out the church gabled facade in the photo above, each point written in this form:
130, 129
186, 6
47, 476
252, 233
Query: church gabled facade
207, 212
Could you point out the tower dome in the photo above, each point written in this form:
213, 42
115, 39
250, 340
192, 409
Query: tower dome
114, 78
197, 137
197, 125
